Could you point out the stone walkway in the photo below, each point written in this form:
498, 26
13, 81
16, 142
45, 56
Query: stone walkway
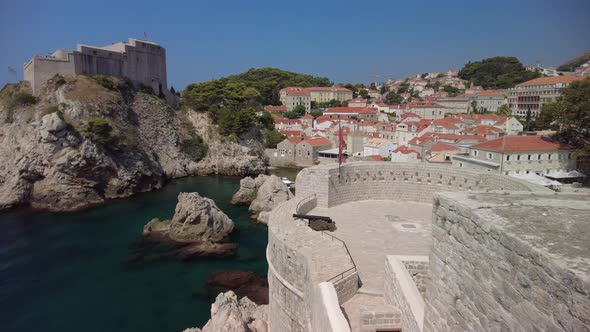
374, 229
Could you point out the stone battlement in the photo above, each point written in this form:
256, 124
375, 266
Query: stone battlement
300, 258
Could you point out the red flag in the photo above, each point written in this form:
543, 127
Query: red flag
145, 34
340, 143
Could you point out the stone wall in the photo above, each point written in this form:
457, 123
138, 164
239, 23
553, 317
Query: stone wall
326, 315
292, 254
397, 181
401, 293
417, 267
509, 262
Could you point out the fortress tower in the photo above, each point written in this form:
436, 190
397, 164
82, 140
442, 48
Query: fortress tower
143, 62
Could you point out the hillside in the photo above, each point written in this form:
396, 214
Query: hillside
497, 72
86, 140
572, 64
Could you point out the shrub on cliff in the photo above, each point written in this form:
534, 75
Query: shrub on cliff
99, 131
194, 148
104, 80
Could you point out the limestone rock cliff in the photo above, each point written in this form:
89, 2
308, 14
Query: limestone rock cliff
232, 315
49, 160
263, 193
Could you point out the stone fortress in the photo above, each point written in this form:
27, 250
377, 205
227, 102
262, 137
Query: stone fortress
143, 62
428, 248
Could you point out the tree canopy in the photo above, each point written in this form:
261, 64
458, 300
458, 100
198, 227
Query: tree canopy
570, 113
499, 72
232, 101
393, 98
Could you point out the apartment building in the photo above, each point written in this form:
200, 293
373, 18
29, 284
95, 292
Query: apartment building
532, 95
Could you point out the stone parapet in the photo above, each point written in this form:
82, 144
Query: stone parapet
509, 262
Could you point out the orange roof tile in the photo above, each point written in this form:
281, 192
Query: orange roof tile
319, 141
551, 80
522, 143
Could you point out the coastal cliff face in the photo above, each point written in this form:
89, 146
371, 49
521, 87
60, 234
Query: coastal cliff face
81, 143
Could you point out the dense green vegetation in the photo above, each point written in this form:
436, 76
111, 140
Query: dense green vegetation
393, 98
296, 112
233, 101
576, 62
105, 80
504, 110
497, 72
272, 137
194, 147
570, 114
99, 131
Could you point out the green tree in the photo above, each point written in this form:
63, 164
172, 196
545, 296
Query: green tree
570, 113
272, 137
373, 86
364, 94
194, 147
504, 110
394, 98
474, 107
384, 89
451, 90
528, 120
497, 72
403, 88
316, 114
266, 120
297, 112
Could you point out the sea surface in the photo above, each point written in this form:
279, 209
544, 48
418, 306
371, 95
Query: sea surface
89, 271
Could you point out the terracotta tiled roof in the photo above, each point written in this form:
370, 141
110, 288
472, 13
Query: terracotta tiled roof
291, 133
409, 115
439, 147
376, 158
551, 80
295, 140
522, 143
359, 110
319, 141
307, 116
482, 130
405, 150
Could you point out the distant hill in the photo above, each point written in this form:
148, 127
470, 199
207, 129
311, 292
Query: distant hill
501, 72
573, 63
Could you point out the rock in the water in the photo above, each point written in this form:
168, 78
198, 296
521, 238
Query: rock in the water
270, 194
198, 222
244, 283
230, 315
197, 218
248, 188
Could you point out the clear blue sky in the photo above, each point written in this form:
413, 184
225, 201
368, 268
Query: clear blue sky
345, 41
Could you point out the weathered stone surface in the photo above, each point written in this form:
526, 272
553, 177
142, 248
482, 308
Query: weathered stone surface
232, 315
198, 223
248, 189
51, 165
270, 194
509, 261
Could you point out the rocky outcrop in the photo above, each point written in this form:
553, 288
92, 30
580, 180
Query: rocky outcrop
244, 283
248, 189
238, 156
270, 194
198, 223
263, 194
232, 315
49, 161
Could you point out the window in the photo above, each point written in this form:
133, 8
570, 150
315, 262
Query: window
527, 172
539, 156
528, 158
517, 157
490, 155
475, 153
507, 157
549, 156
460, 164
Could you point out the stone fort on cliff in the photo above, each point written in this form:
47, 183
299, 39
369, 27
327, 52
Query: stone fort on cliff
428, 248
143, 62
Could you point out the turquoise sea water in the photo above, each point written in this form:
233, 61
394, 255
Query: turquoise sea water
86, 270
